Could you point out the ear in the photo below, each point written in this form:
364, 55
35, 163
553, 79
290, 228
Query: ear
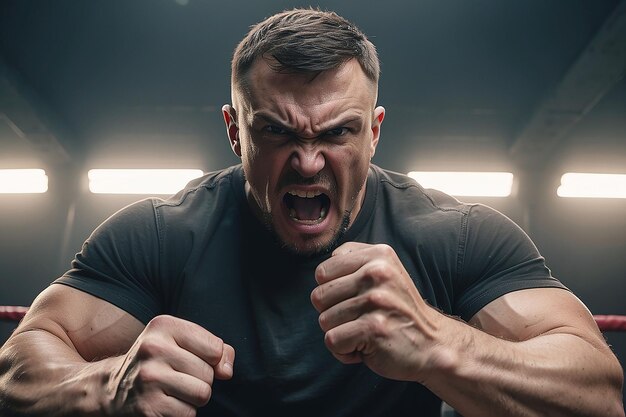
232, 130
379, 116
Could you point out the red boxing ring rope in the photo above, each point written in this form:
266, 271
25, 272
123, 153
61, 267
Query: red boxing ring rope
611, 323
12, 313
606, 323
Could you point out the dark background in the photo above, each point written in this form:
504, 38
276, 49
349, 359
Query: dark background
533, 87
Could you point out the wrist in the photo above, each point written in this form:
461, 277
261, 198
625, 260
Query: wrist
107, 381
450, 339
90, 393
442, 362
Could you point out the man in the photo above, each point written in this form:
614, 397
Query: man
334, 283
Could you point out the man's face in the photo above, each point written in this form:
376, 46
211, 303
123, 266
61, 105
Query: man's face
305, 143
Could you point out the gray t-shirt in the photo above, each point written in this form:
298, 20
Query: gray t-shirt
202, 256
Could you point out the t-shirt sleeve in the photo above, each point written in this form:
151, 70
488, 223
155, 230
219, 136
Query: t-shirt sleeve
499, 258
119, 262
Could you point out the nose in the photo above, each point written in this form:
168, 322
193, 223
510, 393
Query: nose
307, 160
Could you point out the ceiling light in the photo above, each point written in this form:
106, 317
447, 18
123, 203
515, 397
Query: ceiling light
577, 184
140, 181
22, 181
477, 184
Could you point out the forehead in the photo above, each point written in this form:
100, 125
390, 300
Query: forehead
346, 86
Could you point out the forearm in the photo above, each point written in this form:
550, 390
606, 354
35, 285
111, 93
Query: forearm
556, 374
40, 375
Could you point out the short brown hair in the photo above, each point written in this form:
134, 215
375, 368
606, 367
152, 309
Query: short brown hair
304, 40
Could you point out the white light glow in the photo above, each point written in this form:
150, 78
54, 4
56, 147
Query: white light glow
577, 184
140, 181
477, 184
23, 181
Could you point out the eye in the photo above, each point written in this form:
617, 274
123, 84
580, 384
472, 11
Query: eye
339, 131
275, 130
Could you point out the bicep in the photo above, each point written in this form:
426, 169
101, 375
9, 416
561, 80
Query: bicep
93, 327
525, 314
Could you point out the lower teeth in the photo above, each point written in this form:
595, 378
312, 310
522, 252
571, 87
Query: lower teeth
293, 214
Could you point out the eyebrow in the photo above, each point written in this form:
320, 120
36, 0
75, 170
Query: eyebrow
268, 119
347, 119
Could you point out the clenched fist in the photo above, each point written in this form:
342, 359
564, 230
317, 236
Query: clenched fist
371, 312
169, 370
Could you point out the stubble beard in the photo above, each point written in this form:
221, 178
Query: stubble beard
319, 248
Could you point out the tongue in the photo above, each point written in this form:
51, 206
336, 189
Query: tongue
307, 208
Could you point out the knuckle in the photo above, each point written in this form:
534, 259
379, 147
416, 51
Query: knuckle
150, 347
229, 352
317, 296
320, 272
161, 322
215, 349
216, 344
378, 271
203, 394
378, 325
376, 299
323, 321
330, 340
185, 325
207, 374
146, 376
385, 249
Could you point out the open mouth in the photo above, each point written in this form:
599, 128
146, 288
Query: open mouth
308, 207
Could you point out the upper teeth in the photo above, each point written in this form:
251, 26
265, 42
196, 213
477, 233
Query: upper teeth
305, 194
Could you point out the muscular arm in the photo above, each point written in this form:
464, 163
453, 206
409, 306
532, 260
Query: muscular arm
533, 352
77, 355
46, 366
538, 352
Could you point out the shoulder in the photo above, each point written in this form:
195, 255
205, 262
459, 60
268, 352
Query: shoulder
396, 184
412, 205
205, 195
135, 218
487, 226
149, 219
225, 180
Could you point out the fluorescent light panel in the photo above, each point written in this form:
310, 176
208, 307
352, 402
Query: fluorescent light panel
23, 181
140, 181
590, 185
477, 184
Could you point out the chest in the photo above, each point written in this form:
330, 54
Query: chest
257, 299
